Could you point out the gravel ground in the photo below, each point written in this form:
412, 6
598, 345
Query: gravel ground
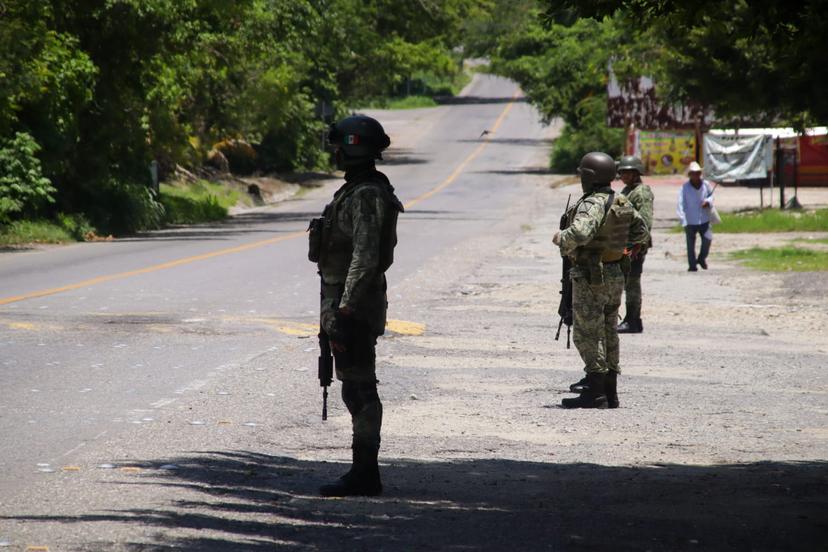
720, 442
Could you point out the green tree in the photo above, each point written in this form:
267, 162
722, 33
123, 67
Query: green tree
23, 188
563, 70
753, 61
106, 86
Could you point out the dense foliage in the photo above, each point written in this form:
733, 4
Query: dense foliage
92, 91
563, 70
103, 87
23, 188
752, 61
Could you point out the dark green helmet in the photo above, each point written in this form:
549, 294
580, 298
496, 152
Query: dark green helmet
631, 163
596, 169
359, 137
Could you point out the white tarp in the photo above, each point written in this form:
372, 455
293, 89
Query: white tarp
737, 157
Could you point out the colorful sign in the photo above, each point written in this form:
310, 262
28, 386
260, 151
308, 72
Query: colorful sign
813, 160
665, 152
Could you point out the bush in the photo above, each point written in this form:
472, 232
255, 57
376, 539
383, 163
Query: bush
202, 201
23, 188
22, 232
123, 208
77, 226
186, 210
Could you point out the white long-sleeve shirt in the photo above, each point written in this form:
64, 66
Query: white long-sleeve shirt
690, 200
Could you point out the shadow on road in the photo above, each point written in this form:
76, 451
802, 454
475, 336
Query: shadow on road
245, 223
474, 100
519, 170
400, 156
534, 142
402, 160
244, 501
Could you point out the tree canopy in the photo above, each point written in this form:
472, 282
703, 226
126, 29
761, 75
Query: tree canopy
91, 91
105, 86
752, 61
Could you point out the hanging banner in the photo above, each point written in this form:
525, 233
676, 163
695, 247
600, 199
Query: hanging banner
665, 152
737, 157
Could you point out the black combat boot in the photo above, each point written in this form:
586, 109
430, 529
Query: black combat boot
631, 325
611, 388
579, 386
363, 479
592, 397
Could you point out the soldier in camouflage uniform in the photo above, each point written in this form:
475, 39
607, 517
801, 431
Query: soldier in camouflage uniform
640, 195
358, 235
600, 226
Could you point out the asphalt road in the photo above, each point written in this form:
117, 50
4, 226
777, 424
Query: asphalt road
96, 337
159, 393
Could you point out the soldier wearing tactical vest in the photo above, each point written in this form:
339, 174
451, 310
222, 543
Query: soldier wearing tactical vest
355, 240
601, 225
630, 169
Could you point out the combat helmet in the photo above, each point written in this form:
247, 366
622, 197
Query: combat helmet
631, 163
596, 169
359, 137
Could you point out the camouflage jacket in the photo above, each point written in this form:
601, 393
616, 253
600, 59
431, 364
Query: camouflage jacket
361, 216
641, 196
586, 222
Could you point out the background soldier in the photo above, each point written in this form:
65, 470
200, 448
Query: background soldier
355, 241
600, 226
641, 196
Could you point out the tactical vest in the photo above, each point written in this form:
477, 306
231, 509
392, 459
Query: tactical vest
609, 243
322, 240
611, 239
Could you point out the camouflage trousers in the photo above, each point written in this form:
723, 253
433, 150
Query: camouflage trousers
595, 318
358, 361
355, 368
632, 289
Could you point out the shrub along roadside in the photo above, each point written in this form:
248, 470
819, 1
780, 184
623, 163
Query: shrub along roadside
65, 229
181, 203
201, 201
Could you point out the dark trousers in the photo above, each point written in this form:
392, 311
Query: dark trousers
690, 232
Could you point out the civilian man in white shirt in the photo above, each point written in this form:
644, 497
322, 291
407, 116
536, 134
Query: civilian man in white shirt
694, 202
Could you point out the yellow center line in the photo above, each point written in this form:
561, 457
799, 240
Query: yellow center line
146, 270
187, 260
453, 176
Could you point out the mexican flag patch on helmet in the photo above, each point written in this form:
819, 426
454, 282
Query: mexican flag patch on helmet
352, 139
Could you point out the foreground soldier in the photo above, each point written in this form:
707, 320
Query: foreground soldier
600, 227
354, 242
640, 195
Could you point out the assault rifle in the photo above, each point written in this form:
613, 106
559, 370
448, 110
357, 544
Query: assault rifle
565, 306
325, 369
